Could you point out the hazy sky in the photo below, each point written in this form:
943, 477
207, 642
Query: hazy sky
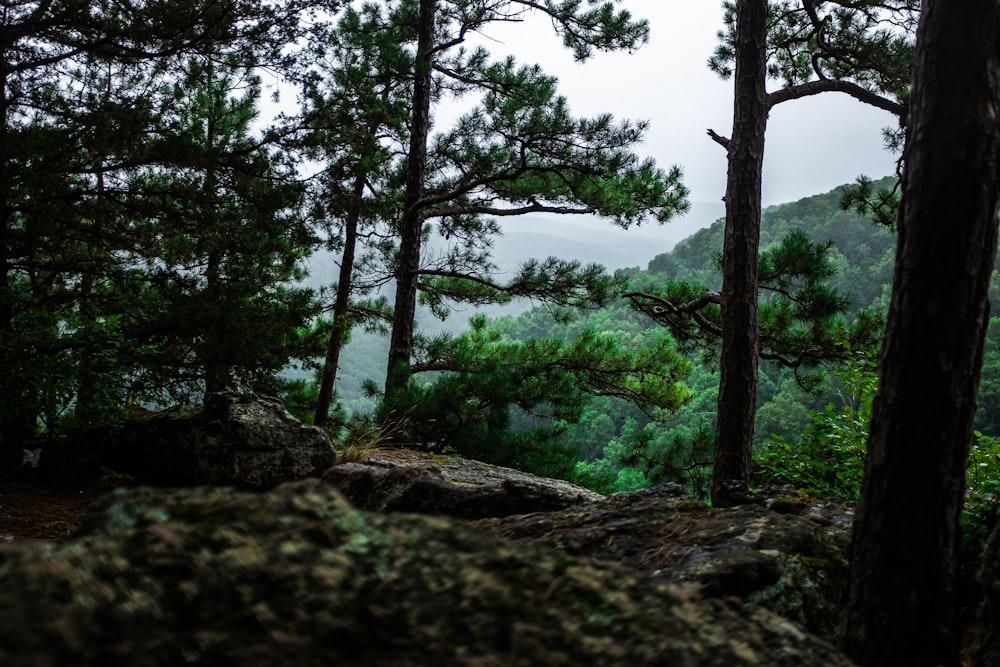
812, 145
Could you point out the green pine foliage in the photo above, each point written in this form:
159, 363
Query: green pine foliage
508, 401
150, 235
860, 252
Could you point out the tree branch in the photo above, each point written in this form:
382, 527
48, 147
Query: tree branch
473, 209
718, 138
828, 85
666, 310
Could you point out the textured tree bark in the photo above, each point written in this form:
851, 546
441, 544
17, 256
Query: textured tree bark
738, 372
408, 267
904, 557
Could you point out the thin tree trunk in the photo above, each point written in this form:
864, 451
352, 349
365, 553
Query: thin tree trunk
6, 298
738, 372
216, 366
902, 607
17, 415
341, 323
408, 267
87, 402
216, 330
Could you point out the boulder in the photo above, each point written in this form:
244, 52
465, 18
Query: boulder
389, 480
787, 553
240, 440
295, 575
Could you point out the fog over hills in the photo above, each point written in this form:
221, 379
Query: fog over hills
589, 240
592, 240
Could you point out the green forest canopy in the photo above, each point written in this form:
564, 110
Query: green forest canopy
618, 441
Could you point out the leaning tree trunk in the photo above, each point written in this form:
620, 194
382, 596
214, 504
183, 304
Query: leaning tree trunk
738, 373
341, 306
904, 557
408, 262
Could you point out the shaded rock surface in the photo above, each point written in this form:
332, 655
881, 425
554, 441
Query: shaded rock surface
792, 561
988, 652
405, 481
247, 441
297, 576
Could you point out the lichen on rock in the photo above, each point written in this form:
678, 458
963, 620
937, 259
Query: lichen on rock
297, 576
794, 564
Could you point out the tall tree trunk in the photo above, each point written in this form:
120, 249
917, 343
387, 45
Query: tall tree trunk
408, 267
216, 338
738, 372
87, 405
7, 214
904, 557
16, 415
341, 304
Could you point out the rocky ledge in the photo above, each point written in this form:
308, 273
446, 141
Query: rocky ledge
393, 480
784, 552
296, 575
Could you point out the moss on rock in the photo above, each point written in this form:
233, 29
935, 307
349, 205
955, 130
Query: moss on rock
792, 564
297, 576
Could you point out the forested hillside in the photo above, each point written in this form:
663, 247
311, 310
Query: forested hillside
619, 445
618, 442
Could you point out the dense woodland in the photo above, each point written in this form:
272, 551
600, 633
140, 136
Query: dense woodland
157, 227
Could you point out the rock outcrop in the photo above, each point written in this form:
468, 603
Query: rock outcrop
297, 576
246, 441
783, 551
405, 481
787, 553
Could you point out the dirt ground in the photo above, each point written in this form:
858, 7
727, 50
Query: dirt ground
46, 510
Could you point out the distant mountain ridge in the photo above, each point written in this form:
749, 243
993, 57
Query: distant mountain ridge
591, 240
685, 249
587, 239
862, 252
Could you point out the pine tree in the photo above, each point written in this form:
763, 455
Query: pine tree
519, 151
860, 49
355, 119
79, 114
227, 238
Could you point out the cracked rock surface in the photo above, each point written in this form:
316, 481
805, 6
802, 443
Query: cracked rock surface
295, 575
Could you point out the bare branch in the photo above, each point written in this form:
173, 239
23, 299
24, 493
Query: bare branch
718, 138
826, 85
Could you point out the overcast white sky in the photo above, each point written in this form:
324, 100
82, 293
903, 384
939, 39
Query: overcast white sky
812, 145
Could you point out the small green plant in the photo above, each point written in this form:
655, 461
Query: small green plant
983, 491
829, 458
115, 476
